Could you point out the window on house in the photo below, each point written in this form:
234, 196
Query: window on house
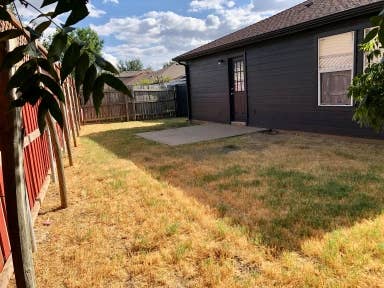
238, 75
336, 59
375, 59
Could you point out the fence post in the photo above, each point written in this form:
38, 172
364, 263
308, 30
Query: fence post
59, 162
73, 109
134, 103
66, 134
126, 106
51, 158
70, 109
75, 106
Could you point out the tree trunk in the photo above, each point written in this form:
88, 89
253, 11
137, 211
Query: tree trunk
15, 193
59, 162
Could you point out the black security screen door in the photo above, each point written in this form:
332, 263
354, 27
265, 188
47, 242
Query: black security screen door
238, 93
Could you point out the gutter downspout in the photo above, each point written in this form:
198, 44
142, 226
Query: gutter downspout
187, 72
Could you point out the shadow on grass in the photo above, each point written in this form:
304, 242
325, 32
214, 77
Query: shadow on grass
277, 207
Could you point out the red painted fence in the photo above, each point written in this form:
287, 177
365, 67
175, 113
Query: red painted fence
37, 158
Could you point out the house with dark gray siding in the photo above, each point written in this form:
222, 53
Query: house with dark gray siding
290, 71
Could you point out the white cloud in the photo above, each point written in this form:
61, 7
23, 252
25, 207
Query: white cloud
158, 36
111, 1
197, 5
95, 12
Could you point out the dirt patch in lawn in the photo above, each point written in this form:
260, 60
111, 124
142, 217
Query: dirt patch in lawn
285, 210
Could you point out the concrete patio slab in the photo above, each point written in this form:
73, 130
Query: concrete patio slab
198, 133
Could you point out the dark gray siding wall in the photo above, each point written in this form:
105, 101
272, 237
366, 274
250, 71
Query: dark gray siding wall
209, 90
282, 78
210, 87
283, 84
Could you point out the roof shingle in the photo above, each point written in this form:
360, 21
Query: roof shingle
300, 14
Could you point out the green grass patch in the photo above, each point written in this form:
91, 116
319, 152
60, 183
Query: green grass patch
333, 189
237, 184
232, 171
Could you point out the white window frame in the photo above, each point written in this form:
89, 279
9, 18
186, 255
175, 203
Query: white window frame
334, 70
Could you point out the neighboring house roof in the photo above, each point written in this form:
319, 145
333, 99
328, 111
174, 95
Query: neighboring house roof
172, 72
303, 16
133, 77
129, 74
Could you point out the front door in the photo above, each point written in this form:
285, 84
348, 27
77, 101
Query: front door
238, 90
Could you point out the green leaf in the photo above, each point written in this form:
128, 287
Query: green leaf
4, 15
105, 65
81, 70
89, 82
32, 33
10, 34
376, 20
32, 50
98, 93
53, 107
62, 7
49, 14
381, 36
48, 2
68, 29
116, 83
57, 47
371, 35
13, 57
41, 114
77, 14
42, 27
20, 102
25, 71
47, 66
53, 86
32, 94
70, 60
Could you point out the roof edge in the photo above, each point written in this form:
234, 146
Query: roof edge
359, 11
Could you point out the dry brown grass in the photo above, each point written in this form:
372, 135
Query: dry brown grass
290, 210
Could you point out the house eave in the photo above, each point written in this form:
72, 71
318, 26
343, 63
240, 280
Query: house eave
360, 11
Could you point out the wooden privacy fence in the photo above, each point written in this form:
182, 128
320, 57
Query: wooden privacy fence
148, 102
39, 159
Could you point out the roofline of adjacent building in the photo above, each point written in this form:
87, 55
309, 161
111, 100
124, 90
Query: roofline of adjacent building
344, 15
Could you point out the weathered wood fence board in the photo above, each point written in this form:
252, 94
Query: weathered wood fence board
148, 102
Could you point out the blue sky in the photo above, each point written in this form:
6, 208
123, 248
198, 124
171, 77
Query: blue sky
157, 30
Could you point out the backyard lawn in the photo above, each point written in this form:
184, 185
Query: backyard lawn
261, 210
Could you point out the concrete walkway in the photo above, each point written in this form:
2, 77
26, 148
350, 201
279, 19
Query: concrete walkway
198, 133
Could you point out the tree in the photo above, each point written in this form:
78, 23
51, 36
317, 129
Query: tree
367, 89
38, 81
130, 65
87, 36
168, 64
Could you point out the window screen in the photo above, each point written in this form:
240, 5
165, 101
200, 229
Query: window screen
336, 58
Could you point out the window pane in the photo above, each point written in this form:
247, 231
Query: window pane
336, 52
334, 88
